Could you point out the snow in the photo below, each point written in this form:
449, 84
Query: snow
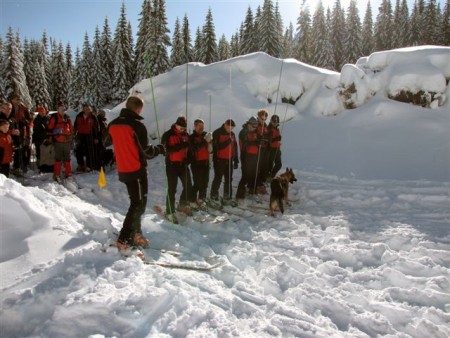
364, 252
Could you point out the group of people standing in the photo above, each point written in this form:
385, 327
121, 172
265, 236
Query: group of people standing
54, 136
188, 159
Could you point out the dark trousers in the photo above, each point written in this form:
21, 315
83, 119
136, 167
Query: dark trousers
222, 169
4, 169
263, 170
175, 171
137, 191
85, 150
248, 168
200, 178
274, 159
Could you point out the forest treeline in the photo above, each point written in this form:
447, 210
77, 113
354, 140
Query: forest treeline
102, 72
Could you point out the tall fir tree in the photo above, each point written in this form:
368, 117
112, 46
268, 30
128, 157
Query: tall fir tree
100, 79
75, 86
143, 37
368, 42
445, 24
198, 43
433, 17
269, 30
107, 59
288, 42
177, 56
337, 35
60, 83
2, 81
383, 26
224, 49
160, 41
187, 40
320, 39
235, 45
87, 71
209, 53
248, 42
353, 42
14, 80
121, 59
303, 36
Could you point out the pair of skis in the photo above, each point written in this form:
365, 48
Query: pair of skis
201, 266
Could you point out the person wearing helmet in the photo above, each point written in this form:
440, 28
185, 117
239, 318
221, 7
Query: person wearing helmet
274, 150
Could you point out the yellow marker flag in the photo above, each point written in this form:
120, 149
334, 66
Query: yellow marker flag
101, 179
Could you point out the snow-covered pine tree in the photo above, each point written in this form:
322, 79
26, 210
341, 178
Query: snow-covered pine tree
198, 43
187, 40
352, 40
160, 40
75, 86
288, 42
235, 45
303, 36
14, 80
143, 37
177, 56
432, 31
319, 37
401, 29
87, 71
122, 59
224, 48
269, 30
368, 44
383, 26
445, 24
248, 42
209, 53
59, 75
100, 84
107, 59
337, 35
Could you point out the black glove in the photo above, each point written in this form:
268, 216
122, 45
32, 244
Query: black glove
160, 150
236, 165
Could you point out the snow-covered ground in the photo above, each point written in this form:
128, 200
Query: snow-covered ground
364, 250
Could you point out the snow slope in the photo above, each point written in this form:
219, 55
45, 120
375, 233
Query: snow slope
364, 252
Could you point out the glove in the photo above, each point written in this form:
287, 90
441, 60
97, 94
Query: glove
236, 165
161, 150
208, 137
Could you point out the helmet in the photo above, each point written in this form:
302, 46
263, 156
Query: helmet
275, 119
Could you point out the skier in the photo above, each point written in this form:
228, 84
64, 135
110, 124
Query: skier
40, 131
225, 159
129, 138
263, 137
200, 161
176, 142
274, 151
249, 148
87, 139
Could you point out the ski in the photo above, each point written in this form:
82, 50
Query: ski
202, 268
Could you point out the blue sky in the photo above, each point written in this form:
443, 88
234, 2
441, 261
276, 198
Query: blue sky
69, 20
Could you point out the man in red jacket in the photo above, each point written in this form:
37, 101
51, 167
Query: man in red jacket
130, 140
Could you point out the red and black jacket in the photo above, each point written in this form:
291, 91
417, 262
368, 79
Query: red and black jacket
224, 145
249, 142
6, 148
177, 146
60, 127
274, 137
199, 146
131, 148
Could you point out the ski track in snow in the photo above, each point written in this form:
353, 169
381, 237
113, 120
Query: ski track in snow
350, 259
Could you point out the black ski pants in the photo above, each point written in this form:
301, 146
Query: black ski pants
137, 191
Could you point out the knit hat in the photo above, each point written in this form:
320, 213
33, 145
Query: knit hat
181, 121
253, 121
230, 122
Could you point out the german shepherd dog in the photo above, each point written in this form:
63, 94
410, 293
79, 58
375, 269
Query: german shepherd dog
279, 191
